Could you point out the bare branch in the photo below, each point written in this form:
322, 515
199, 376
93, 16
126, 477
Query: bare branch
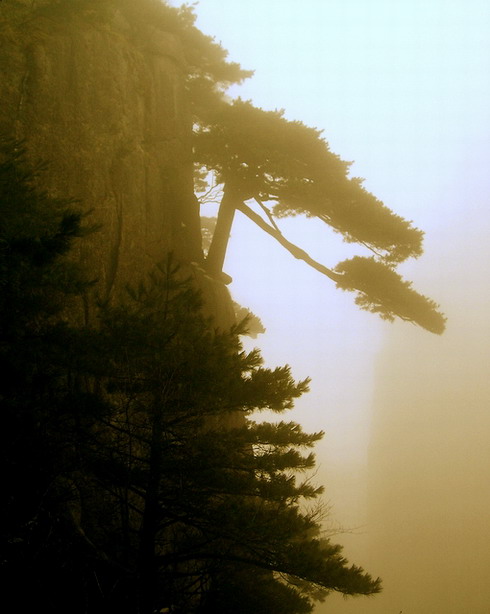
293, 249
268, 213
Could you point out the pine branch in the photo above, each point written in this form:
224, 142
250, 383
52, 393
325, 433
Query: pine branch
293, 249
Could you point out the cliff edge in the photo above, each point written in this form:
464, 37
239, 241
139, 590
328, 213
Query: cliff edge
100, 96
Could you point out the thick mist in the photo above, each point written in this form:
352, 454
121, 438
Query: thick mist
428, 469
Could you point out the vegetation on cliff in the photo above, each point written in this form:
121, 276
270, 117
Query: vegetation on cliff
260, 159
287, 169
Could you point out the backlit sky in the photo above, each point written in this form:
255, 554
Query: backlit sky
402, 88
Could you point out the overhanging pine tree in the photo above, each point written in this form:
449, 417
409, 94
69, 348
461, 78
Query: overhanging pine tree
287, 168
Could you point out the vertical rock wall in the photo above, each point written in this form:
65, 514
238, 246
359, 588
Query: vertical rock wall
102, 100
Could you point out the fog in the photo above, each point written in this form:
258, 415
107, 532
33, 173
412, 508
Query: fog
428, 470
402, 88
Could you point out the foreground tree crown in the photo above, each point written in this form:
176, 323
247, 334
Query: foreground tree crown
135, 476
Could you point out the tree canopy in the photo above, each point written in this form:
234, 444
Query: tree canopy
288, 169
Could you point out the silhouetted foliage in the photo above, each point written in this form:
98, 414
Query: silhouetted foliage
134, 475
207, 485
259, 155
41, 421
381, 290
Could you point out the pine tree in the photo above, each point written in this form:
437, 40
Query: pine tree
41, 421
203, 491
288, 169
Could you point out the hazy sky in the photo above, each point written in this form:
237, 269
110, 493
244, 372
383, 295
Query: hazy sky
402, 88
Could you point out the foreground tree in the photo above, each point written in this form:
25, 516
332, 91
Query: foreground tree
134, 475
42, 421
211, 493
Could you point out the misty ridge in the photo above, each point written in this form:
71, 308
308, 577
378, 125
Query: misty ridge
139, 474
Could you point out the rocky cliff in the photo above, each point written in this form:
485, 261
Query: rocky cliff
100, 96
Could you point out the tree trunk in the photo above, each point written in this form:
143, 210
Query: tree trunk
219, 243
147, 560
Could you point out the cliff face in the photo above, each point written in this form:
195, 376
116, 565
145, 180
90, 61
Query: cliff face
102, 100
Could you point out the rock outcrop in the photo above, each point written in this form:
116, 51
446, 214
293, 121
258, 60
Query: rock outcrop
102, 100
